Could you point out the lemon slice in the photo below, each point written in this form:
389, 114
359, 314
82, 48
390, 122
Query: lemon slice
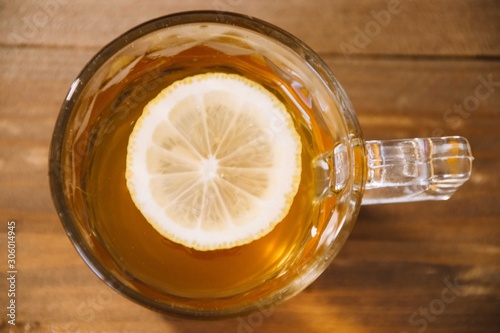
214, 161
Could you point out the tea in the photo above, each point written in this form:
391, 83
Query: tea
153, 263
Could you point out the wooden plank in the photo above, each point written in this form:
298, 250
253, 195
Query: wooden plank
393, 99
382, 27
402, 87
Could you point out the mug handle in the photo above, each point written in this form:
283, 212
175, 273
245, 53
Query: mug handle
416, 169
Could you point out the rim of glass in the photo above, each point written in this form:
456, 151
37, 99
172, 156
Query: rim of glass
82, 80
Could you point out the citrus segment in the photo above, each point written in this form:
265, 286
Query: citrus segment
214, 161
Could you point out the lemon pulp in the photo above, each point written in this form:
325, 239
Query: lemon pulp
214, 161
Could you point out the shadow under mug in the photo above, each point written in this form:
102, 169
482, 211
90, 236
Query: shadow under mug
351, 170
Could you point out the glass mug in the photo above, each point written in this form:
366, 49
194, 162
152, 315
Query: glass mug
340, 171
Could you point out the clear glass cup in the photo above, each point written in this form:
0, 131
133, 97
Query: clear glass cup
351, 170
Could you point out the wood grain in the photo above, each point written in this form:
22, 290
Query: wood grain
399, 258
446, 27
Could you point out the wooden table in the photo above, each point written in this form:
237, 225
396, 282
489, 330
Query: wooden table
409, 68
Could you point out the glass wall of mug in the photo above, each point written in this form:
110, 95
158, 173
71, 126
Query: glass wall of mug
88, 154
